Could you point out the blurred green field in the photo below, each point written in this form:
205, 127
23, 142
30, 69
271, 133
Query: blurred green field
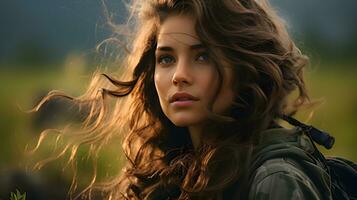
336, 84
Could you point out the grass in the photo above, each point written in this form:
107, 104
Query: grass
338, 112
17, 196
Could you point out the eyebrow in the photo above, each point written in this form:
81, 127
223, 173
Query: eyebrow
192, 47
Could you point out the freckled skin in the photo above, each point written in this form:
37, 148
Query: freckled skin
184, 69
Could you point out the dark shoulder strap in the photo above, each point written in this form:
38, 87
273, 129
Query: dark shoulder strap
320, 137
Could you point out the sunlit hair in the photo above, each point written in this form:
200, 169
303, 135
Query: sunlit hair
161, 161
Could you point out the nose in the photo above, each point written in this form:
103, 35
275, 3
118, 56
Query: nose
183, 74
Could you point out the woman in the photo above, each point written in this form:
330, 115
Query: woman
205, 84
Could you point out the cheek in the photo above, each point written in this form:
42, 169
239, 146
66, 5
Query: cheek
225, 97
161, 86
212, 86
158, 84
223, 101
208, 84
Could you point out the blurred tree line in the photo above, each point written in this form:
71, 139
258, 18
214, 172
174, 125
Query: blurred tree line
44, 32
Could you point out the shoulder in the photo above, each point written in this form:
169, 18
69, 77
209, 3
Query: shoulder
282, 178
283, 167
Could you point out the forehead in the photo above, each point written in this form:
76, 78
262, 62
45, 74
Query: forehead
178, 28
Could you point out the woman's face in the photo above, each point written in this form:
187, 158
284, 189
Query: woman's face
186, 79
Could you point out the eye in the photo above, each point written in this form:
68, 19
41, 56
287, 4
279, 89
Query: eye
165, 59
202, 57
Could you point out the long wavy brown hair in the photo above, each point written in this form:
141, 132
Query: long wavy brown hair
161, 160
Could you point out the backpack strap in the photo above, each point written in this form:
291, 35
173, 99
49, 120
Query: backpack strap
320, 137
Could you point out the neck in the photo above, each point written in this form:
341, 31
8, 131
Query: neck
195, 133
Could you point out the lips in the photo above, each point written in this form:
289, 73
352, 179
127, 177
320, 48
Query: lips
182, 96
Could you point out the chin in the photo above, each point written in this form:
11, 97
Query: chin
181, 123
185, 121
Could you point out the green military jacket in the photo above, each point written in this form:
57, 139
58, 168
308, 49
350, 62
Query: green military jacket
284, 168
